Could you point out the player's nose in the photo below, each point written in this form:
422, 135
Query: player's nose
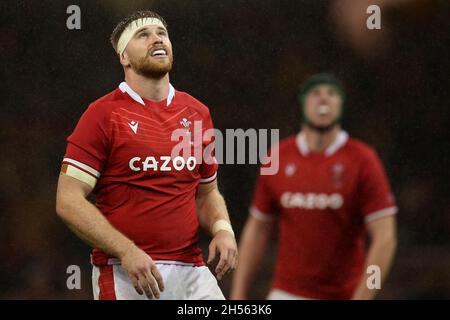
325, 97
156, 38
323, 100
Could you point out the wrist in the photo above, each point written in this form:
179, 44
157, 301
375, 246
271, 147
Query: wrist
125, 249
222, 225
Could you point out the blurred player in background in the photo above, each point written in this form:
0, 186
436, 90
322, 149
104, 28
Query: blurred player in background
329, 191
144, 224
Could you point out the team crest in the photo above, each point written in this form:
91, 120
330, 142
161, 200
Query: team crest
185, 122
337, 172
290, 169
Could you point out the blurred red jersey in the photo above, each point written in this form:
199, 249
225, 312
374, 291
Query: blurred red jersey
122, 145
322, 202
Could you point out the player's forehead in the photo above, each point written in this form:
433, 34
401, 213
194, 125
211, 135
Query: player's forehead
323, 87
151, 28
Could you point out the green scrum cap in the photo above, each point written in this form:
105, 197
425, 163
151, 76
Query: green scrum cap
321, 79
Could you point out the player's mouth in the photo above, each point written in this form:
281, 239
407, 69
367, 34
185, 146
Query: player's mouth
323, 109
159, 53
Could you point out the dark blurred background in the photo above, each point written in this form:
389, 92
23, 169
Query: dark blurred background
245, 60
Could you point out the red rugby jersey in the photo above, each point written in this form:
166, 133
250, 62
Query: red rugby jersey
322, 202
124, 142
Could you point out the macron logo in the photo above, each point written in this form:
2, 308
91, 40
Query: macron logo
134, 126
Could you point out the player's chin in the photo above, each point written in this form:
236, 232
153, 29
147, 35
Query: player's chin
158, 59
156, 71
323, 123
162, 63
156, 64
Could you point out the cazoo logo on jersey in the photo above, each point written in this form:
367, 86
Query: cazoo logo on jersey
164, 163
319, 201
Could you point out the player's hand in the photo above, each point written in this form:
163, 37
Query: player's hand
225, 245
143, 273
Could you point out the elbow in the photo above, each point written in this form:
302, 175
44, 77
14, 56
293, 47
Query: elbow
388, 242
394, 243
392, 239
390, 247
62, 206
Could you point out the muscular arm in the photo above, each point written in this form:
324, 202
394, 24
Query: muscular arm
85, 220
382, 248
211, 208
253, 244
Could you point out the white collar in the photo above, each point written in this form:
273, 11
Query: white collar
339, 142
124, 87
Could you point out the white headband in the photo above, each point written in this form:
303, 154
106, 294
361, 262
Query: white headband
135, 25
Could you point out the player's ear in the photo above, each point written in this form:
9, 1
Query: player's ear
124, 61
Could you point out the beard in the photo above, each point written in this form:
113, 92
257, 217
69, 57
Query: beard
151, 68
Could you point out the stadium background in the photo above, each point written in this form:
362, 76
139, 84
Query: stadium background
244, 59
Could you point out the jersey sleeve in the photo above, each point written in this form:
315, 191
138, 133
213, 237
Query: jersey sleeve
263, 206
208, 168
376, 197
87, 146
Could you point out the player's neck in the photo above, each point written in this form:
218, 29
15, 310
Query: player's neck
320, 141
149, 88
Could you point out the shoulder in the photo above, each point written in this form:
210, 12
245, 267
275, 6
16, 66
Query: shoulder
360, 148
184, 98
99, 113
288, 144
103, 106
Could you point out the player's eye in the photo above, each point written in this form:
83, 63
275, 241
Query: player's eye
143, 35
